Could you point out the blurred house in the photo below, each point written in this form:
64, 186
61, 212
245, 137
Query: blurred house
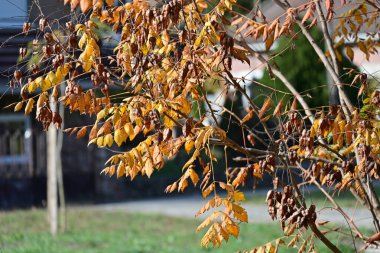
23, 142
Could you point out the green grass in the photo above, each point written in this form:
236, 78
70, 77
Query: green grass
112, 232
92, 231
344, 198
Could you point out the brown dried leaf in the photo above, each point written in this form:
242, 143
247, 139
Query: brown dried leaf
266, 106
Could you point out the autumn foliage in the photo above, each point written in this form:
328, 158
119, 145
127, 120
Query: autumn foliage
167, 56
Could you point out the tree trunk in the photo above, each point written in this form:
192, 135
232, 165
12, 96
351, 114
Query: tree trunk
61, 189
52, 198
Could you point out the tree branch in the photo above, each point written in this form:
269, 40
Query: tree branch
322, 57
280, 76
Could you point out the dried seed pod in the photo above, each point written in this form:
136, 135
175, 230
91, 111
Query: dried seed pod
73, 41
167, 134
363, 78
57, 120
35, 44
251, 139
35, 69
188, 126
44, 115
42, 24
26, 28
270, 195
46, 50
275, 182
70, 27
49, 38
17, 76
23, 51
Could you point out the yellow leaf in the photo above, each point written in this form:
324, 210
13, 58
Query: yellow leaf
82, 40
52, 78
99, 141
199, 140
108, 140
207, 221
130, 131
239, 196
45, 84
120, 136
189, 146
101, 114
120, 170
198, 41
18, 106
193, 176
29, 106
149, 167
191, 160
270, 248
228, 4
59, 75
32, 86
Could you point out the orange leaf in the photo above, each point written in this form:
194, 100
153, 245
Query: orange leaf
194, 176
74, 4
110, 2
93, 132
278, 109
81, 133
247, 117
267, 104
85, 5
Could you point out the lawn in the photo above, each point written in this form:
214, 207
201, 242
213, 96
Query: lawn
313, 196
91, 231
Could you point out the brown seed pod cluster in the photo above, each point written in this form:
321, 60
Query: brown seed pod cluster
152, 118
44, 113
268, 163
306, 142
293, 125
327, 173
282, 206
224, 53
100, 76
293, 157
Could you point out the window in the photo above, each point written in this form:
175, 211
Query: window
13, 13
15, 148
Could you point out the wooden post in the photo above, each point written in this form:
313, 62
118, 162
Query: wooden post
52, 197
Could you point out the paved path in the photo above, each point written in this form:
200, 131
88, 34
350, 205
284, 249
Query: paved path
188, 206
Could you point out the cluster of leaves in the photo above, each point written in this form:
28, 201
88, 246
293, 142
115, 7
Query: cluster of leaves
164, 58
